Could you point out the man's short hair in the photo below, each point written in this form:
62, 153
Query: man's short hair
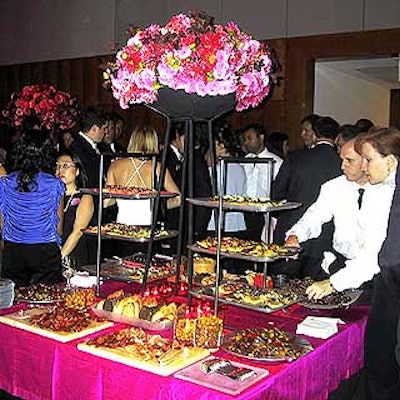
257, 128
326, 127
91, 117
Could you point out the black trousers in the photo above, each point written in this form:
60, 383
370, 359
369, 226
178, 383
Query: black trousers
27, 264
381, 368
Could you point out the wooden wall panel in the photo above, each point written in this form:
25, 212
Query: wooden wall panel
289, 102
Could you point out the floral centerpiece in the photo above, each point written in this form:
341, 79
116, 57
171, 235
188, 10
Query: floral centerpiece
195, 55
56, 110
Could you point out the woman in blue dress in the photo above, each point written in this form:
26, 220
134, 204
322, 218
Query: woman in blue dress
31, 207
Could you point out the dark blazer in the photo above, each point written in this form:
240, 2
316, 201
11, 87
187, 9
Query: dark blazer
88, 158
300, 178
174, 166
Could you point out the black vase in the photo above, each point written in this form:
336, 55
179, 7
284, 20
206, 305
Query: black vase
179, 104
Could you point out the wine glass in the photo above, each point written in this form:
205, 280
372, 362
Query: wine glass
68, 270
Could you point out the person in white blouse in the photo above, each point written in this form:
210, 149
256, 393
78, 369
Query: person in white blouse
360, 226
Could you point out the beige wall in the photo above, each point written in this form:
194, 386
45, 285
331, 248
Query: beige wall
40, 30
348, 98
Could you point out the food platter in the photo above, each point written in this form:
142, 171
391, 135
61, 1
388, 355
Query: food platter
129, 193
40, 294
245, 205
132, 268
331, 302
266, 344
341, 300
249, 297
130, 233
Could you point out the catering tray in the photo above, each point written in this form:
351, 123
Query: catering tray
121, 195
252, 342
113, 269
199, 249
108, 233
219, 382
351, 295
128, 356
233, 206
21, 320
137, 322
40, 294
208, 292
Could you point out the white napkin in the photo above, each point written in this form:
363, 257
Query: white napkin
319, 327
83, 279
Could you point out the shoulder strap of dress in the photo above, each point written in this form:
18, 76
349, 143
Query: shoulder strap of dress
136, 172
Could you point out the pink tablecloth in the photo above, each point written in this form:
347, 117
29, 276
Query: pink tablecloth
37, 368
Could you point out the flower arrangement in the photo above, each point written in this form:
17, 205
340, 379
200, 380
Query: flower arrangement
54, 109
193, 54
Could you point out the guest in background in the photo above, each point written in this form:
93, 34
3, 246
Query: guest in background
78, 211
31, 206
119, 124
308, 134
278, 143
258, 182
138, 172
84, 147
109, 144
364, 124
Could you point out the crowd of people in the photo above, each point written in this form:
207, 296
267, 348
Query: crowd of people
345, 178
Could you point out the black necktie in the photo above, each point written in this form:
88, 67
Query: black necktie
360, 196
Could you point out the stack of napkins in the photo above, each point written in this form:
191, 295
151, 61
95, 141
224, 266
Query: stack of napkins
318, 327
83, 280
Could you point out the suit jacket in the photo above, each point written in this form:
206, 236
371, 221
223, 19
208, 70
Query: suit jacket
88, 158
300, 178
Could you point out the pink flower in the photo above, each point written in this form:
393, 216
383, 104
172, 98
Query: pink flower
193, 54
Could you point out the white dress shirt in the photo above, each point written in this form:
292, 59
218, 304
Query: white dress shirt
258, 176
359, 233
235, 184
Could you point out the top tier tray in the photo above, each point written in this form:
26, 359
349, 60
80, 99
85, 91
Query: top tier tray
120, 194
267, 206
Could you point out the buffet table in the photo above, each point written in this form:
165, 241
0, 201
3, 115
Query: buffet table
37, 368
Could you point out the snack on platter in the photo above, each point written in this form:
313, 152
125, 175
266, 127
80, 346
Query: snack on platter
250, 201
40, 294
243, 294
135, 347
56, 322
203, 265
134, 232
332, 301
244, 247
266, 344
146, 312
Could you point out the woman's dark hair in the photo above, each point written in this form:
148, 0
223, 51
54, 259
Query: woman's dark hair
223, 134
82, 178
385, 141
31, 154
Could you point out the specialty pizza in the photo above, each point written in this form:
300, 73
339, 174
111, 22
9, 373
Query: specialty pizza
234, 199
127, 231
241, 246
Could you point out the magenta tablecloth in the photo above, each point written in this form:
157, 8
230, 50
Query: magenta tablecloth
37, 368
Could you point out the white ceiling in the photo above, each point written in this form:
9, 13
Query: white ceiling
382, 71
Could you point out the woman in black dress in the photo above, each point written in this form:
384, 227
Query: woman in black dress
78, 211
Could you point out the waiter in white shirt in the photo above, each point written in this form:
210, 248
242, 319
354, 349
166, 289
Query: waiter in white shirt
258, 182
360, 214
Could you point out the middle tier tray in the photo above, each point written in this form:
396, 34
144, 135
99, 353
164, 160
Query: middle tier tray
248, 297
241, 203
130, 233
232, 247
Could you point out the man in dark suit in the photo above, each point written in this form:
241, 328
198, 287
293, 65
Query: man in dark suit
84, 147
299, 179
